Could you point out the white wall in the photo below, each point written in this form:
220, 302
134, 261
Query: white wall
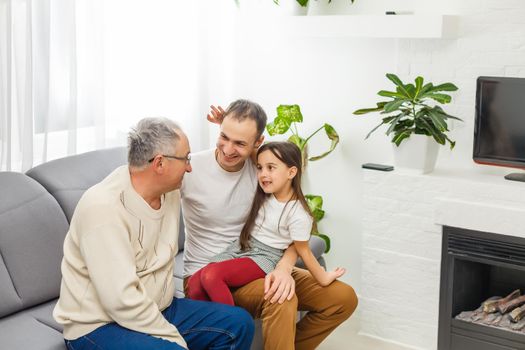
326, 78
161, 59
329, 78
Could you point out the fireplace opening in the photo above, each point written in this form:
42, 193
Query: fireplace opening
489, 295
481, 269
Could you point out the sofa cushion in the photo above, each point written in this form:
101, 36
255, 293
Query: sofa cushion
22, 331
43, 313
68, 178
32, 231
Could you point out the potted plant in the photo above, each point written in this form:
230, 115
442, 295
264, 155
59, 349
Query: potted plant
323, 7
288, 117
417, 128
293, 7
301, 9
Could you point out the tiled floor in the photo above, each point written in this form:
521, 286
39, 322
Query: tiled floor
346, 338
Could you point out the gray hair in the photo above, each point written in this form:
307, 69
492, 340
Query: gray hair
150, 137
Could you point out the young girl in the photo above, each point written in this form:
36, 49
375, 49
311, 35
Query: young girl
279, 217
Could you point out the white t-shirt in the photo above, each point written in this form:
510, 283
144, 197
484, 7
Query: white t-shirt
215, 204
279, 224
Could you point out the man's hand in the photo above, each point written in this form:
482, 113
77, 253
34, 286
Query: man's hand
279, 286
216, 115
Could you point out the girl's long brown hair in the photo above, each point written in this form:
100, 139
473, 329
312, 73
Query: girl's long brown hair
289, 154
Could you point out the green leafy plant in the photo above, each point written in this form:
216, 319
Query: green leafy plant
287, 120
303, 3
409, 112
315, 203
288, 116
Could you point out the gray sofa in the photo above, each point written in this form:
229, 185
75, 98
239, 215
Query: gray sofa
35, 210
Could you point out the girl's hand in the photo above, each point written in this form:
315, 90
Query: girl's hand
216, 115
331, 276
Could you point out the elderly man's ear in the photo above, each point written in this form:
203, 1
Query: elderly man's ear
158, 165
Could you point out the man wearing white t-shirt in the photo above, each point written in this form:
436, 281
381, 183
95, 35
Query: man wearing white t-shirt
216, 199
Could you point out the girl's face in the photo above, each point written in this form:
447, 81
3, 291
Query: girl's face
274, 176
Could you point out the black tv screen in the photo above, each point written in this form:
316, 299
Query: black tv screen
499, 131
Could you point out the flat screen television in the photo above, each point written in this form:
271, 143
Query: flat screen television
499, 130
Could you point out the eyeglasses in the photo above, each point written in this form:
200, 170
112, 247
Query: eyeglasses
186, 159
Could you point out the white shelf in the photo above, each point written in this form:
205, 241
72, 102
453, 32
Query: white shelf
364, 26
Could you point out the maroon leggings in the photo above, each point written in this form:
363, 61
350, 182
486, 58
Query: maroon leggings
214, 280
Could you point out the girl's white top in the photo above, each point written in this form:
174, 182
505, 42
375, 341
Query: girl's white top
295, 223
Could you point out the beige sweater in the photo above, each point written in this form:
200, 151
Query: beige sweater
118, 261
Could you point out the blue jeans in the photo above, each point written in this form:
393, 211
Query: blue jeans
203, 325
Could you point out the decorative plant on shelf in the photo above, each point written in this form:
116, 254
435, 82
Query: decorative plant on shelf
409, 112
304, 3
288, 117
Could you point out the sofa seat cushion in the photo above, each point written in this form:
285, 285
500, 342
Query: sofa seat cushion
44, 314
24, 331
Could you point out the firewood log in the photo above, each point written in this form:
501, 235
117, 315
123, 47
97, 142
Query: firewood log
511, 305
517, 314
491, 305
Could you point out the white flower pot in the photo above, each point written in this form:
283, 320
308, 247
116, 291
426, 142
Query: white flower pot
417, 154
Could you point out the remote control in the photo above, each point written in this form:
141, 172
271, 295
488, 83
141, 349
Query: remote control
380, 167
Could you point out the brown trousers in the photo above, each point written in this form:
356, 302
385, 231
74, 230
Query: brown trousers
327, 307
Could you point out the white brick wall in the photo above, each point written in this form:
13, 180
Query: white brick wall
401, 253
401, 242
491, 41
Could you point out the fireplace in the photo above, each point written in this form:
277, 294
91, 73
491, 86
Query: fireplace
476, 266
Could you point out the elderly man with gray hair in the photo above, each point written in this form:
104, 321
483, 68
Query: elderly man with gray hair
117, 290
